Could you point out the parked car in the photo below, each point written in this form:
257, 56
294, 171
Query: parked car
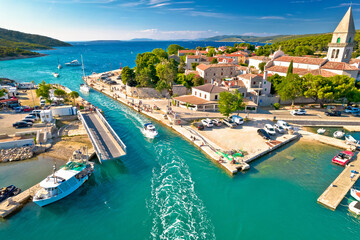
298, 112
18, 109
284, 124
42, 102
199, 126
279, 128
350, 109
229, 122
30, 117
263, 134
216, 122
237, 119
269, 129
118, 77
207, 122
27, 109
333, 113
22, 124
28, 120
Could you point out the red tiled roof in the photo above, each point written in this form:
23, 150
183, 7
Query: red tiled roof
354, 60
339, 66
192, 100
241, 68
301, 71
204, 66
9, 100
262, 58
248, 76
305, 60
210, 88
220, 59
193, 51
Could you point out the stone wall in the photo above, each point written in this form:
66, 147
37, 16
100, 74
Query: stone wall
268, 101
16, 154
17, 143
153, 93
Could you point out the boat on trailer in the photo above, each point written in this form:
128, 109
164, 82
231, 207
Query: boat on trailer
9, 191
339, 134
351, 140
62, 182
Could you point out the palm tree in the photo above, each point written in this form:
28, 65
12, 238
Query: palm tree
74, 95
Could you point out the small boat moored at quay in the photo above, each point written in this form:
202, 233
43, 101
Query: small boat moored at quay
321, 130
9, 191
62, 182
343, 158
354, 207
339, 134
73, 63
84, 88
351, 140
355, 194
149, 130
56, 75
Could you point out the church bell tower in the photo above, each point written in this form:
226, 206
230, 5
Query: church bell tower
342, 43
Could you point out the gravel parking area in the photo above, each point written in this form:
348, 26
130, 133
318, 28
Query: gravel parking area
7, 119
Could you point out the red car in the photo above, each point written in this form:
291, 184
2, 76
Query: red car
28, 109
343, 158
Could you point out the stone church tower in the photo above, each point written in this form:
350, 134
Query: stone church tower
342, 43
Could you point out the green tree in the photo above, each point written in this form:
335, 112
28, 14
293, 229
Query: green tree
275, 81
319, 88
2, 92
291, 86
60, 93
128, 77
226, 103
194, 65
262, 66
211, 52
167, 73
74, 95
145, 72
43, 90
214, 61
238, 102
161, 53
198, 81
173, 49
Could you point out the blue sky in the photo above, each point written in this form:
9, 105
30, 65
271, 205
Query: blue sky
77, 20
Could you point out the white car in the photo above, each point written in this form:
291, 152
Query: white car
207, 123
230, 123
237, 119
298, 112
269, 129
284, 124
279, 128
216, 122
30, 117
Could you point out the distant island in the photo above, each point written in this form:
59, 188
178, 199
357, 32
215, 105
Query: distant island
15, 44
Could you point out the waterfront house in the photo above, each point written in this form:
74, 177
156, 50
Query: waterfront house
202, 98
215, 73
196, 59
191, 52
26, 85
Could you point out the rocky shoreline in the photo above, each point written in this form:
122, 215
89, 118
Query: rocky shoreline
16, 154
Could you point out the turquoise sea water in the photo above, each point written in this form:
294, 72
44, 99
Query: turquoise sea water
166, 188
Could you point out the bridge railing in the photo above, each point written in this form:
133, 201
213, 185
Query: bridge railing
113, 133
91, 136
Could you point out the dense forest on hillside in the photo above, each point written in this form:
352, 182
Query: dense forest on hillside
309, 45
15, 44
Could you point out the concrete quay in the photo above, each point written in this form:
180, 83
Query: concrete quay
337, 190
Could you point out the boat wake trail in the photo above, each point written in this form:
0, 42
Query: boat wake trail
176, 210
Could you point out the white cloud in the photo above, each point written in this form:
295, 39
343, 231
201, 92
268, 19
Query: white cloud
159, 5
173, 35
272, 18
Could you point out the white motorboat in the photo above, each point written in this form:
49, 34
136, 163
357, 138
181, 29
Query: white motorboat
59, 65
321, 130
62, 182
73, 63
84, 88
56, 75
355, 194
355, 207
339, 134
351, 140
149, 130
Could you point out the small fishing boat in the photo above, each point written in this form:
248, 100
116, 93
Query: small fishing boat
59, 65
62, 182
351, 140
339, 134
84, 88
355, 207
56, 75
149, 130
9, 191
73, 63
321, 130
355, 194
343, 158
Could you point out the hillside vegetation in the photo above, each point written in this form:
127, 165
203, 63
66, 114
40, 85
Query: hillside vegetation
17, 44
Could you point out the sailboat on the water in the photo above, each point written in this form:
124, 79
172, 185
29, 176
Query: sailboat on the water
84, 87
59, 65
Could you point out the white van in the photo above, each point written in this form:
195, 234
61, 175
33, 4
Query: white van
42, 102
